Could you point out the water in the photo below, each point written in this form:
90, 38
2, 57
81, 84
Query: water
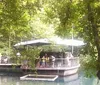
77, 79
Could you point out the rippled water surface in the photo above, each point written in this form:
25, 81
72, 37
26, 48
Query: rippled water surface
77, 79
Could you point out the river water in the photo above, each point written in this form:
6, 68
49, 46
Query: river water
76, 79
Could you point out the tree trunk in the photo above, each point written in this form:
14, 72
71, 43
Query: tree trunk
96, 36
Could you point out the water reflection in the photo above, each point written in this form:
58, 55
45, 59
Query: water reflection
69, 80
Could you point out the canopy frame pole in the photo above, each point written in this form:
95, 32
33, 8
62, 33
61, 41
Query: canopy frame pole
72, 39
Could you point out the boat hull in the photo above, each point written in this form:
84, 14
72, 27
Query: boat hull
58, 71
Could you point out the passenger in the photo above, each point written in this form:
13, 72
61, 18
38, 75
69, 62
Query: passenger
47, 60
5, 60
53, 61
40, 58
37, 61
68, 61
43, 61
25, 65
68, 56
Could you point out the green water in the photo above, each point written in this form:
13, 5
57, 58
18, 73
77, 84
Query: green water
77, 79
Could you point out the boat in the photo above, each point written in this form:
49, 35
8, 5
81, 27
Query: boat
65, 63
62, 66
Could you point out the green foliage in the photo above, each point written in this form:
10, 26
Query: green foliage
24, 19
28, 54
84, 17
65, 12
14, 20
88, 65
42, 30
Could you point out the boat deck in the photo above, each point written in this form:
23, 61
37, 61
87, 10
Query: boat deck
9, 64
10, 67
58, 68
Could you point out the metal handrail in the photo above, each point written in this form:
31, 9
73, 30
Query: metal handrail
62, 62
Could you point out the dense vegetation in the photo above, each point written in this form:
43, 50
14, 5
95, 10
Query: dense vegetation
84, 17
26, 19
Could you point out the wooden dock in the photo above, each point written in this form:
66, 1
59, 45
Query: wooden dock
10, 67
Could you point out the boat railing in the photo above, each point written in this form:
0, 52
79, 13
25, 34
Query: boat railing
64, 62
60, 63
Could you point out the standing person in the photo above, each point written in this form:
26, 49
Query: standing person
68, 61
53, 61
41, 55
43, 61
47, 60
67, 57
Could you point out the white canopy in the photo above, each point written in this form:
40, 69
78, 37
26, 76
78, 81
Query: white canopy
71, 42
68, 42
33, 42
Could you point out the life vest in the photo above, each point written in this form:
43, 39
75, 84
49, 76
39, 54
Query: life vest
47, 59
43, 59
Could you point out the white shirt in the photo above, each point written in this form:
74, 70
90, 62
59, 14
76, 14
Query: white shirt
53, 58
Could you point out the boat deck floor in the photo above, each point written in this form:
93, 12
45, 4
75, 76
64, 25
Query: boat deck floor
57, 68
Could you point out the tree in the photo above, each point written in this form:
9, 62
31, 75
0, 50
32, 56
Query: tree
14, 20
91, 31
40, 29
84, 17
